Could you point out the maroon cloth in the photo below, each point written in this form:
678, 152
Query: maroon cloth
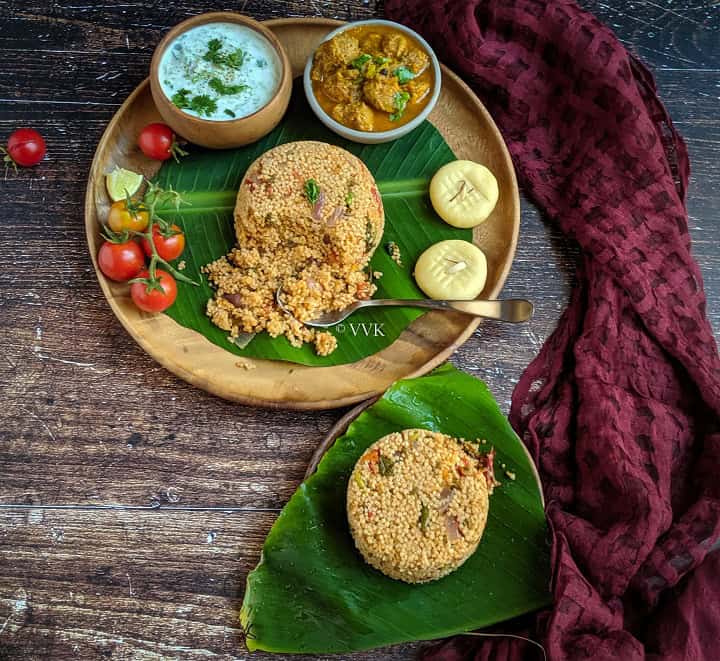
621, 408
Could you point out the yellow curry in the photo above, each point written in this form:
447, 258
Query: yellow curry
372, 77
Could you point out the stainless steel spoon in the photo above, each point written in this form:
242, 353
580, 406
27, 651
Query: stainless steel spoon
513, 310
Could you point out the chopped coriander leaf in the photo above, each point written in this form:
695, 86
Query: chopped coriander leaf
361, 60
311, 190
214, 45
181, 98
349, 199
404, 75
221, 88
400, 100
380, 60
235, 59
215, 56
229, 112
202, 104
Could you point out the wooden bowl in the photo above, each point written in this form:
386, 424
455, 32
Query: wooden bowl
222, 134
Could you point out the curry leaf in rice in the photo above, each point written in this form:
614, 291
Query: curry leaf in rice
311, 190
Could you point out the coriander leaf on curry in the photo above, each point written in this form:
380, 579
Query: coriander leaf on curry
372, 77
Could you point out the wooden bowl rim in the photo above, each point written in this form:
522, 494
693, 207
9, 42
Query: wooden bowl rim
187, 375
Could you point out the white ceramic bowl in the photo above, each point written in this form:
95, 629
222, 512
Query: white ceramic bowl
371, 137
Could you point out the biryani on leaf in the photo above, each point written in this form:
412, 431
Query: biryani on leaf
308, 218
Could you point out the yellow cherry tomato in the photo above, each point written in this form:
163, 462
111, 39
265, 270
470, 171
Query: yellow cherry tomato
124, 217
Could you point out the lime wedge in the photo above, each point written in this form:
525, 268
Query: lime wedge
121, 183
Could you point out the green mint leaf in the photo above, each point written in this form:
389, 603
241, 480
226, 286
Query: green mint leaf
229, 112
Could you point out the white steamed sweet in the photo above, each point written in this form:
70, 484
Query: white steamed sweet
464, 193
451, 269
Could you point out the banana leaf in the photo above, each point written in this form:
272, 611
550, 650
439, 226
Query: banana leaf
209, 180
313, 593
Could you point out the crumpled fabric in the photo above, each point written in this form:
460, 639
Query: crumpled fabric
620, 409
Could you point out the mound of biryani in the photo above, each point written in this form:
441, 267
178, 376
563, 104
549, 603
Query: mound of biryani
308, 218
417, 503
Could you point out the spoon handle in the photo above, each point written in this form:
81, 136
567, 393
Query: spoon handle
513, 310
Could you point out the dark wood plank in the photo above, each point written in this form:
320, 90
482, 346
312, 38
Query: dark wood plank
681, 34
129, 585
136, 27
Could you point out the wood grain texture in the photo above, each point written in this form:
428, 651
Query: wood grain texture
128, 585
88, 418
426, 343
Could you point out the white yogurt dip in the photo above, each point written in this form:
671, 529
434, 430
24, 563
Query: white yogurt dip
220, 71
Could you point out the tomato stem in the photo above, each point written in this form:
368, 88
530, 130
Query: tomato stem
9, 160
153, 196
176, 150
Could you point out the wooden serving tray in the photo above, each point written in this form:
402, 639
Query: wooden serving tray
427, 342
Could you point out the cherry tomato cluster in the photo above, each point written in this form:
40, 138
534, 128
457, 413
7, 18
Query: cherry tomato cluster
131, 237
134, 231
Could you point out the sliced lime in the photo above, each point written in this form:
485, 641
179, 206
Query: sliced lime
121, 183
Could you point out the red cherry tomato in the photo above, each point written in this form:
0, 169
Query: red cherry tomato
25, 147
157, 141
121, 261
168, 247
155, 300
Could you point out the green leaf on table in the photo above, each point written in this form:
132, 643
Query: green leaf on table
313, 593
209, 180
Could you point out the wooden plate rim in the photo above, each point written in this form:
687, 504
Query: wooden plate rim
365, 397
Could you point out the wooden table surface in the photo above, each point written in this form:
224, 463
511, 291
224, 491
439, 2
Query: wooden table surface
132, 506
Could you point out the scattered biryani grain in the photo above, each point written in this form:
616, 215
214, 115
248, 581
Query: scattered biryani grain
393, 250
510, 475
417, 504
181, 265
314, 253
245, 364
325, 343
377, 275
